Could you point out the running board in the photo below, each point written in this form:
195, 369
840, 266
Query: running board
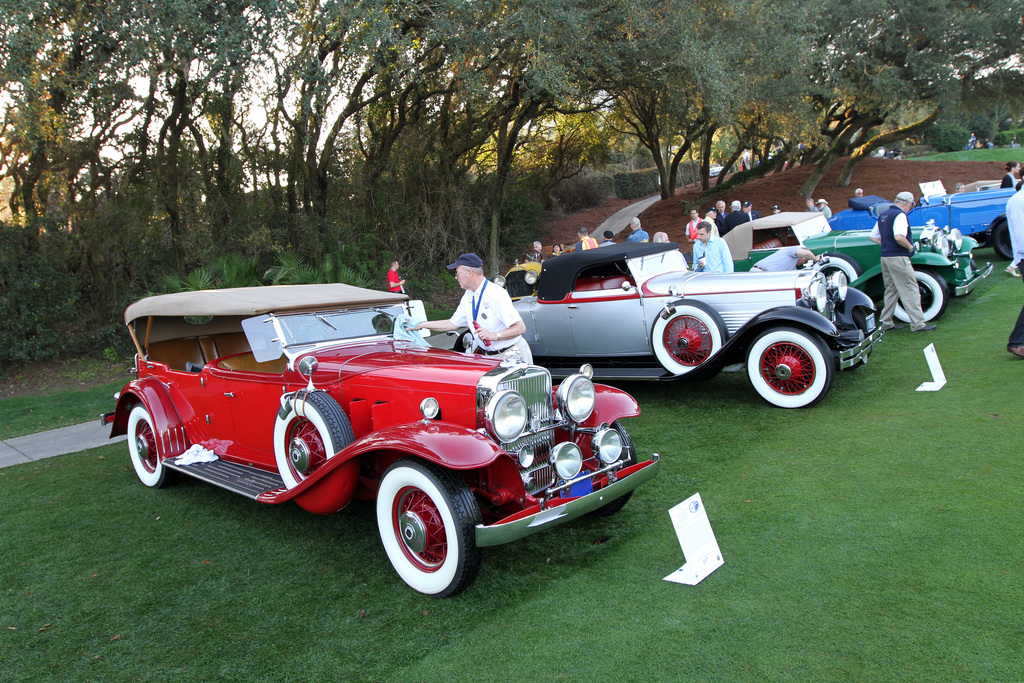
247, 481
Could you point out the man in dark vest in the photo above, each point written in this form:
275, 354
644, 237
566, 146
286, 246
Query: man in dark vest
893, 232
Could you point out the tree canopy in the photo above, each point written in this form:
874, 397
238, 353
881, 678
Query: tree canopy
149, 140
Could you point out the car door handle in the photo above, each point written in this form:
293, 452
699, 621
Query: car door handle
573, 306
229, 394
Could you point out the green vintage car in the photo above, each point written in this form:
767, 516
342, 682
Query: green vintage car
943, 264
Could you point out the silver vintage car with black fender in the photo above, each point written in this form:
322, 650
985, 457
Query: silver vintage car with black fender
634, 311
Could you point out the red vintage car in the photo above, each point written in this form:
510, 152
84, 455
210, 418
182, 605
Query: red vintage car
319, 394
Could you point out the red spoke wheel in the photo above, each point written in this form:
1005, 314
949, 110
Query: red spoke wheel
427, 520
687, 335
311, 428
790, 368
143, 448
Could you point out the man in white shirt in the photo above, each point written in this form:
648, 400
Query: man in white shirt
892, 232
1015, 222
487, 311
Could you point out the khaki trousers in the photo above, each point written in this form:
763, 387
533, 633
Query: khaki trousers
901, 286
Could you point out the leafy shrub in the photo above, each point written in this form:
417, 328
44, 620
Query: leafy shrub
1005, 138
38, 296
948, 137
582, 191
636, 184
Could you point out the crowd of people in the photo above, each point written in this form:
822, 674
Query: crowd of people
497, 328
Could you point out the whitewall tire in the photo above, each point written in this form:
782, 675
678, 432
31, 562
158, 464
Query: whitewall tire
310, 429
143, 449
688, 337
790, 368
934, 296
427, 520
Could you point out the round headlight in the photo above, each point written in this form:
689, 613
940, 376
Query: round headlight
576, 397
818, 294
957, 238
531, 277
607, 445
429, 408
499, 280
506, 415
941, 245
567, 459
839, 281
527, 456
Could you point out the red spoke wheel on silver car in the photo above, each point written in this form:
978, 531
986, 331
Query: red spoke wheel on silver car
311, 428
686, 335
427, 521
142, 447
790, 368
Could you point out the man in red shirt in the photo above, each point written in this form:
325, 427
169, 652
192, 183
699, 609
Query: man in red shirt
395, 283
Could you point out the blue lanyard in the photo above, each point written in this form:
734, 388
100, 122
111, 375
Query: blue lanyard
476, 301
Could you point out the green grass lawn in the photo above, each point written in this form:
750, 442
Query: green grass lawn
30, 414
876, 536
994, 154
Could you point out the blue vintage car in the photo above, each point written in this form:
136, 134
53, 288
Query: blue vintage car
980, 214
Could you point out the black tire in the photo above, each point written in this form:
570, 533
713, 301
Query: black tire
427, 520
1000, 240
143, 448
934, 296
310, 429
790, 368
842, 262
619, 503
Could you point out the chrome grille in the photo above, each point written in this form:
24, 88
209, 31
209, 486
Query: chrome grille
516, 285
534, 385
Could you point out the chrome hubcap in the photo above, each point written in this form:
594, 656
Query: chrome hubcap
142, 446
298, 454
783, 371
413, 530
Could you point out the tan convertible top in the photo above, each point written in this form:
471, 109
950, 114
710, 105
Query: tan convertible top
250, 301
744, 236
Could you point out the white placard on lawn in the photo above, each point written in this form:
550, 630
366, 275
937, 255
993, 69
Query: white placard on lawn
938, 376
697, 540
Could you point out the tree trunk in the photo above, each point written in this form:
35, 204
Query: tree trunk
874, 143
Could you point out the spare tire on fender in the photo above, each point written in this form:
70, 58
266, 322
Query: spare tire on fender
310, 429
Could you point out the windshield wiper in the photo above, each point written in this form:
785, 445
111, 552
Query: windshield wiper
325, 321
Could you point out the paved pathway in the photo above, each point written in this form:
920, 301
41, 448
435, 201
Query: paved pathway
55, 442
619, 220
92, 434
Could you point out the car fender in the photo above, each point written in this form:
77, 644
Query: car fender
611, 404
870, 273
791, 316
450, 446
930, 258
855, 297
167, 421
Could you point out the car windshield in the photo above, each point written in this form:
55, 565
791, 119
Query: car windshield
646, 267
317, 327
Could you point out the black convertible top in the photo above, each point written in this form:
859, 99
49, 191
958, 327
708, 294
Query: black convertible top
559, 273
866, 202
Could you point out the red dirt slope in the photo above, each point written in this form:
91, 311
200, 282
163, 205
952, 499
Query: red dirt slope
884, 177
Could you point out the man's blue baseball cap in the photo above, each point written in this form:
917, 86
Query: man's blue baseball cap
471, 260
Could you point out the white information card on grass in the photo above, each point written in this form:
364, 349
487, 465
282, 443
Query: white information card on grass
938, 376
697, 541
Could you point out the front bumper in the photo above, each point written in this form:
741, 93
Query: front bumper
532, 520
966, 287
859, 353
